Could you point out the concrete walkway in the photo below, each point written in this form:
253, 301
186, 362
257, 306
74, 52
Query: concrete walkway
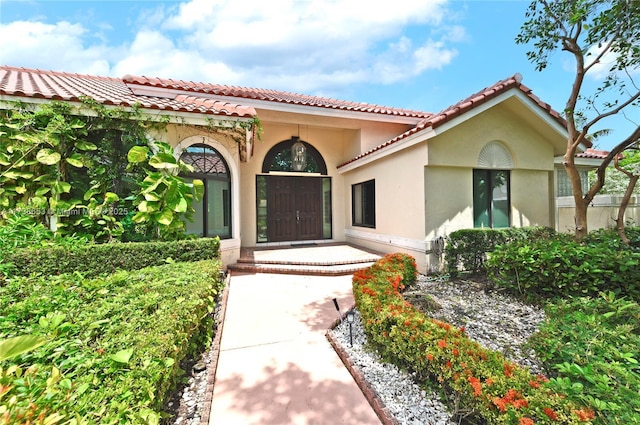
275, 364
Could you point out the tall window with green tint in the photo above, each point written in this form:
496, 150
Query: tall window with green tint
491, 198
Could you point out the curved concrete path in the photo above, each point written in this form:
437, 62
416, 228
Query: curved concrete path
276, 365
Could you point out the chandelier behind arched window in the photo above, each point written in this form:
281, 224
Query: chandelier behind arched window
204, 160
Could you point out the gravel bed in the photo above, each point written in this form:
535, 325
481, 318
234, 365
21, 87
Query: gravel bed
492, 318
495, 320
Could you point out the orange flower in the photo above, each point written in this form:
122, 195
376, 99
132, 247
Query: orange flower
520, 403
500, 403
550, 413
534, 384
584, 414
511, 395
526, 421
456, 352
488, 381
442, 343
477, 386
430, 357
508, 369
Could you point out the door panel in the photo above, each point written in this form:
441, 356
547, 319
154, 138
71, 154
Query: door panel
309, 208
294, 208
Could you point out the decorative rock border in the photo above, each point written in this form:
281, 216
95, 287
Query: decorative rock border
369, 393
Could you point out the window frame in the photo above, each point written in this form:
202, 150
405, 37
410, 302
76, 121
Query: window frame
227, 202
490, 175
367, 207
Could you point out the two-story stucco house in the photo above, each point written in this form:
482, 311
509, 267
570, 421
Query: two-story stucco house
383, 178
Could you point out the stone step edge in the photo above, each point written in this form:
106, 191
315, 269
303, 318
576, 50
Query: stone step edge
308, 263
301, 270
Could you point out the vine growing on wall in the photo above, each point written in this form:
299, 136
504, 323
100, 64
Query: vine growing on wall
67, 166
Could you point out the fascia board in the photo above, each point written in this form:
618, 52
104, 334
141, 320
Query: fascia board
581, 162
529, 103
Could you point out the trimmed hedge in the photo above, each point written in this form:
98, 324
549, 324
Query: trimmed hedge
95, 259
113, 344
467, 249
562, 268
472, 377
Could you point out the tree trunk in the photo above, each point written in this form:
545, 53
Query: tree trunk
620, 226
581, 205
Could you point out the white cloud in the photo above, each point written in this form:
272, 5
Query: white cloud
309, 46
47, 46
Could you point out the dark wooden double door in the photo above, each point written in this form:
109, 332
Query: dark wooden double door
294, 208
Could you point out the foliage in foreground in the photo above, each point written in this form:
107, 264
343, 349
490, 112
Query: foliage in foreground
476, 380
560, 267
112, 345
591, 344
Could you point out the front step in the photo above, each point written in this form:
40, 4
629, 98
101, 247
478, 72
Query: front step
301, 269
331, 259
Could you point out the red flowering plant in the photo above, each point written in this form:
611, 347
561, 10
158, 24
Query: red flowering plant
477, 379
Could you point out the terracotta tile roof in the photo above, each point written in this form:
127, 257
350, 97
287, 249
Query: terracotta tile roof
270, 96
593, 154
69, 87
447, 114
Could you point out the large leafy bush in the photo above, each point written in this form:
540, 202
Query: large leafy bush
560, 267
591, 344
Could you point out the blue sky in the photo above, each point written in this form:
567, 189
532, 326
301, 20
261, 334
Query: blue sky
416, 54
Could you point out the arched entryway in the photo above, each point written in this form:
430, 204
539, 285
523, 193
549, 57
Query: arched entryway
293, 194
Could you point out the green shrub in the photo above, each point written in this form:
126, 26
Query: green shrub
94, 259
610, 237
467, 249
591, 345
473, 378
561, 267
113, 344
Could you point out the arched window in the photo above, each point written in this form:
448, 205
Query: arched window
213, 212
294, 155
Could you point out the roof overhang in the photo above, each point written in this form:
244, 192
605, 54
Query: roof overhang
269, 105
415, 137
174, 117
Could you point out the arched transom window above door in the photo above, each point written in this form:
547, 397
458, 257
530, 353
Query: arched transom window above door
204, 160
294, 155
213, 213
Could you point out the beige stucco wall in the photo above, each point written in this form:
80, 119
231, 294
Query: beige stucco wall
461, 145
399, 186
452, 156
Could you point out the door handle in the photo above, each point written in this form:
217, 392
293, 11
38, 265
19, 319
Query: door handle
298, 216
